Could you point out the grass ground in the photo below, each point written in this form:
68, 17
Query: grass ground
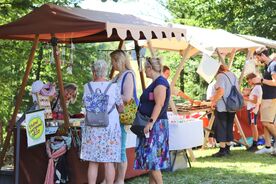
241, 167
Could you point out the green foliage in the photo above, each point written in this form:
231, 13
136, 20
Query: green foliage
255, 17
14, 56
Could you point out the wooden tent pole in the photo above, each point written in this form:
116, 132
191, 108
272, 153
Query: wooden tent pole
185, 56
231, 59
221, 58
121, 44
137, 50
54, 42
151, 49
19, 100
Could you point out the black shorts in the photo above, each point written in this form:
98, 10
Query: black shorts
223, 126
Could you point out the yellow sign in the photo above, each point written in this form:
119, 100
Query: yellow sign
35, 128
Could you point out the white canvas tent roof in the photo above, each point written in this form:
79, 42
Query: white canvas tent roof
268, 42
204, 40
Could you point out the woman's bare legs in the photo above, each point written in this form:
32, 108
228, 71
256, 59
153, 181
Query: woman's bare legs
121, 168
92, 172
109, 173
155, 177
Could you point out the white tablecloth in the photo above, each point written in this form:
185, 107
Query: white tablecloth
181, 135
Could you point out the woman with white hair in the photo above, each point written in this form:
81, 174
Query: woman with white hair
126, 82
152, 152
102, 144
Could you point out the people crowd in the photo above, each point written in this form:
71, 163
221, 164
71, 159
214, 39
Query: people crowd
107, 144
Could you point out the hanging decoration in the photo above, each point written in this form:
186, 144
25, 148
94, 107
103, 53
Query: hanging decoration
70, 64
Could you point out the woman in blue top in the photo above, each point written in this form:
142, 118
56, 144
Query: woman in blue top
152, 153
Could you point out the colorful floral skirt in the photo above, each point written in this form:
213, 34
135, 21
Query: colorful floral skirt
153, 153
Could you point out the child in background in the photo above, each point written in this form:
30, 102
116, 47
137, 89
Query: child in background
253, 103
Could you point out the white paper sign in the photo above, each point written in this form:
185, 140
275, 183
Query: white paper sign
208, 68
35, 127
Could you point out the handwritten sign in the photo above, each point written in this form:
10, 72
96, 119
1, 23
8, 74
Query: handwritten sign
44, 103
35, 127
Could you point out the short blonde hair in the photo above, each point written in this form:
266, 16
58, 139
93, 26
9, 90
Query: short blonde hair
121, 59
154, 63
99, 68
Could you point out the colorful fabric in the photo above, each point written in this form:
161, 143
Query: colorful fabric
153, 153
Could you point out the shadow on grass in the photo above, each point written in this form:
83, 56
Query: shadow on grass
241, 156
210, 176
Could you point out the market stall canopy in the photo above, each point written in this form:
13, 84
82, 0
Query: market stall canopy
205, 40
80, 25
267, 42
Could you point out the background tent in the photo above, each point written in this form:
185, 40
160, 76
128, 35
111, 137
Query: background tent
268, 42
204, 40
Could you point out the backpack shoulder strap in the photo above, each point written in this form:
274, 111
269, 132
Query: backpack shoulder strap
90, 88
112, 108
107, 88
229, 79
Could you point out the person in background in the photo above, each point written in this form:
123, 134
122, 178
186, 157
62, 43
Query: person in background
152, 153
102, 144
268, 105
70, 96
209, 94
126, 82
177, 92
253, 103
223, 123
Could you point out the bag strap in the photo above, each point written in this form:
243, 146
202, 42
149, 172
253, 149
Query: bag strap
55, 104
90, 88
134, 86
112, 108
107, 88
105, 91
230, 80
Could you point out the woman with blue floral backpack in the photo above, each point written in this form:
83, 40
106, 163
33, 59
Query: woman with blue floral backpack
101, 144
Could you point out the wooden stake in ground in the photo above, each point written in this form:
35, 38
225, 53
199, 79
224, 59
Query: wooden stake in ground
19, 100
